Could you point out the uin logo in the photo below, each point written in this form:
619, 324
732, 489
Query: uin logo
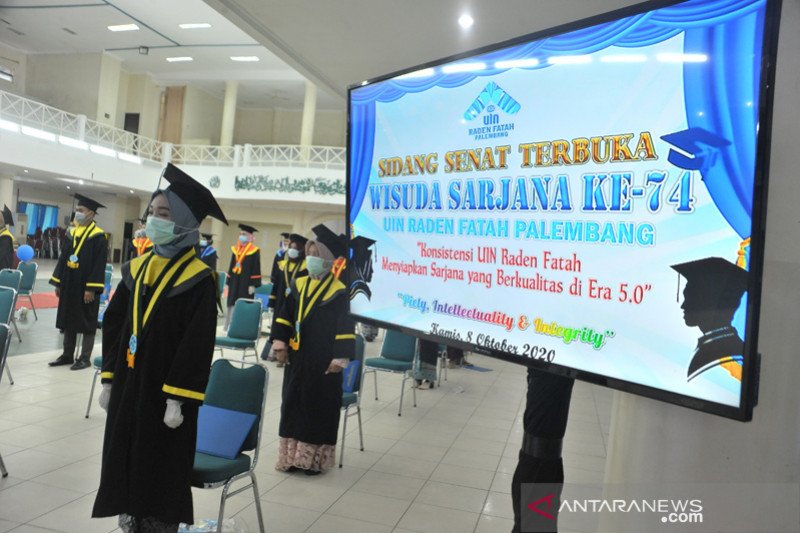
491, 96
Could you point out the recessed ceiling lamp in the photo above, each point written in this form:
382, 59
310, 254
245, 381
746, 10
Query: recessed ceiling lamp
124, 27
465, 21
245, 58
194, 26
179, 59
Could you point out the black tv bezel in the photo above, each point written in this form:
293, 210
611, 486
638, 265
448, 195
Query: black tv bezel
750, 375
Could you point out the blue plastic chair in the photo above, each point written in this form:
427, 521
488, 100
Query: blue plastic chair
29, 270
244, 328
398, 354
243, 390
106, 294
13, 280
351, 393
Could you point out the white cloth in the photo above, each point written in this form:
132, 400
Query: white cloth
105, 395
172, 416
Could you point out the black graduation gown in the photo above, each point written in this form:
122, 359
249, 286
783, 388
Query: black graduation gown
90, 275
273, 275
250, 274
208, 255
288, 271
312, 399
146, 469
6, 249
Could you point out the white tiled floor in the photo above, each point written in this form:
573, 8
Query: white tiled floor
444, 466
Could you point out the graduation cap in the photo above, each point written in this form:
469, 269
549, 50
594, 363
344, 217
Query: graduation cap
361, 246
200, 201
714, 278
88, 203
337, 244
207, 236
248, 229
285, 234
8, 218
298, 239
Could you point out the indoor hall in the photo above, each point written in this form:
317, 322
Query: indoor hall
296, 117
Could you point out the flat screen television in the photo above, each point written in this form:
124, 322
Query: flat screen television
588, 200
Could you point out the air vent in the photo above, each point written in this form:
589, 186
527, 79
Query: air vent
69, 31
16, 31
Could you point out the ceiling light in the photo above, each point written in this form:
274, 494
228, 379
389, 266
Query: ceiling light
144, 50
517, 63
80, 182
179, 59
130, 158
124, 27
465, 21
194, 26
424, 73
75, 143
9, 126
131, 190
26, 171
39, 134
569, 60
245, 58
102, 150
624, 58
68, 187
463, 67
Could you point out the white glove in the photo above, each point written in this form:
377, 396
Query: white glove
105, 395
251, 290
172, 416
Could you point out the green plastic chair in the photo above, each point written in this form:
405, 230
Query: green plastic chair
352, 398
13, 280
398, 353
5, 338
28, 270
244, 329
109, 267
236, 389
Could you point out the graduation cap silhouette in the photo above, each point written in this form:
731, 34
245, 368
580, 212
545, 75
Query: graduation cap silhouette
207, 236
248, 229
88, 203
8, 218
361, 261
337, 244
285, 234
198, 199
298, 239
717, 281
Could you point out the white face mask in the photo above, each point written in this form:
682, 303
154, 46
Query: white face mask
80, 217
203, 242
293, 253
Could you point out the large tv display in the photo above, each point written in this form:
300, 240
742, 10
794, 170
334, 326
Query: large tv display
588, 200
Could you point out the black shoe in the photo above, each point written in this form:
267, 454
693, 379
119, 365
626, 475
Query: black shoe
293, 469
61, 361
312, 472
80, 364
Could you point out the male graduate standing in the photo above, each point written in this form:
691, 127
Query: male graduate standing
6, 240
141, 243
79, 278
244, 272
206, 252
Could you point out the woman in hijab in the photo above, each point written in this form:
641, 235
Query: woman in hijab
314, 321
158, 342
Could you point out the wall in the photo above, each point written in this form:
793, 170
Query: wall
67, 81
109, 91
253, 126
17, 62
329, 127
143, 97
202, 116
652, 441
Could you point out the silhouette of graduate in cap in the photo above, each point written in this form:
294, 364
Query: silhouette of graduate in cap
361, 261
714, 289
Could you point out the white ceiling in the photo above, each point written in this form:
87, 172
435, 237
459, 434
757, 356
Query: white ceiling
80, 26
342, 42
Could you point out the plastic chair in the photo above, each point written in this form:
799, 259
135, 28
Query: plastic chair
262, 294
244, 329
222, 278
351, 393
97, 362
12, 279
106, 294
398, 353
237, 389
29, 270
5, 338
109, 267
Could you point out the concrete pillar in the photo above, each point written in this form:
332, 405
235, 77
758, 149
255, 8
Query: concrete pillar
228, 113
307, 126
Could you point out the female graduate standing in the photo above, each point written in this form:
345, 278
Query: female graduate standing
158, 342
6, 240
315, 322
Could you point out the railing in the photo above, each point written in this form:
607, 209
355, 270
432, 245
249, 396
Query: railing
17, 111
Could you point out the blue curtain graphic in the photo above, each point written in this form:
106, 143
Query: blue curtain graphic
40, 216
720, 28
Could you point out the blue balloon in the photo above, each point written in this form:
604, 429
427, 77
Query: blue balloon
25, 253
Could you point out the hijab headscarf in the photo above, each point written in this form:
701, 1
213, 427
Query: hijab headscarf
186, 226
327, 257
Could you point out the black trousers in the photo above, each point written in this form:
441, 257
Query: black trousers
545, 423
71, 339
